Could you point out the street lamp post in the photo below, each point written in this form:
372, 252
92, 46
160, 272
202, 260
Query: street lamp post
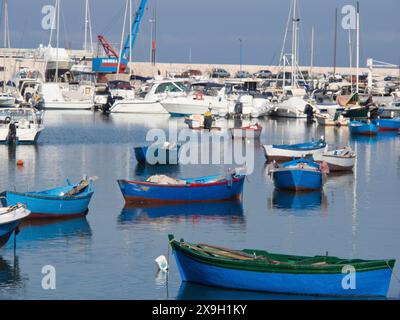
241, 53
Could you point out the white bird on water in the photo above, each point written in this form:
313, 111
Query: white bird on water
162, 263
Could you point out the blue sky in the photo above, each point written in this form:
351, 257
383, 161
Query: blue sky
211, 29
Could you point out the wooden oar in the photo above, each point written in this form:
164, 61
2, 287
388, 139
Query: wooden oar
220, 253
241, 253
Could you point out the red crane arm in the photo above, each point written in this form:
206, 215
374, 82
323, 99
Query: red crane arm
108, 49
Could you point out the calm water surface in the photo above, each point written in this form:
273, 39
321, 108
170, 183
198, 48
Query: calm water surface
110, 253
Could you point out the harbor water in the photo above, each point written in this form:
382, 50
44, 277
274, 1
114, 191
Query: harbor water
110, 253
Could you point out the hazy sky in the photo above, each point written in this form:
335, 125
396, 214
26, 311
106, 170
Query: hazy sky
211, 29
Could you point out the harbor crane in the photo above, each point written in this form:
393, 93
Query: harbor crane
110, 63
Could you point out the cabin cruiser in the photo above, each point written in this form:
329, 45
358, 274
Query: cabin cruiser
157, 91
67, 96
221, 99
20, 125
291, 105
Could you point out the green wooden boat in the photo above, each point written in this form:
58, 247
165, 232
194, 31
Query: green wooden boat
258, 270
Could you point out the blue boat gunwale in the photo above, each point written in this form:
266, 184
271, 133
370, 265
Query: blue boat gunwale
189, 185
84, 194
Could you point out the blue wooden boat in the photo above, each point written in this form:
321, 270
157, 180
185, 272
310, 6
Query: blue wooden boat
158, 153
163, 189
10, 219
63, 202
286, 152
257, 270
363, 128
387, 124
298, 175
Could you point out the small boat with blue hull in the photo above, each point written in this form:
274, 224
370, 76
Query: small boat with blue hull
363, 128
257, 270
387, 124
298, 175
163, 189
294, 151
10, 219
63, 202
158, 153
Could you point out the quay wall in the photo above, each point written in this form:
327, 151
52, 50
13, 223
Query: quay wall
12, 60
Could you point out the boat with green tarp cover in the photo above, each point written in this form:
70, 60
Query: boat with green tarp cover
258, 270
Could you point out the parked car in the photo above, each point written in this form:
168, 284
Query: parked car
243, 74
190, 73
220, 73
263, 74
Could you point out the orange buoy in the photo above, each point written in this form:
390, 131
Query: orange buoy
20, 163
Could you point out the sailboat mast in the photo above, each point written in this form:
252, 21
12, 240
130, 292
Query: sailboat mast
358, 47
312, 51
130, 36
351, 59
86, 24
122, 36
294, 43
58, 38
335, 43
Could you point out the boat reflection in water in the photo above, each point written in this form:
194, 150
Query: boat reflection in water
50, 229
10, 276
294, 201
193, 291
227, 211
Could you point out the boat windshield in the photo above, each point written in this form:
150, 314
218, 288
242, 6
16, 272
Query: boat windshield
171, 87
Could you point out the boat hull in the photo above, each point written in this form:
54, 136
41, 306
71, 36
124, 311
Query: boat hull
369, 283
297, 180
68, 105
278, 154
24, 136
337, 164
51, 207
387, 124
138, 106
364, 129
179, 107
134, 191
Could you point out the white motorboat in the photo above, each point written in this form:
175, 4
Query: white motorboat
7, 99
294, 151
293, 107
151, 103
20, 125
10, 219
338, 160
67, 96
328, 120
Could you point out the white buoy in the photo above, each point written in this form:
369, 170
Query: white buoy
162, 263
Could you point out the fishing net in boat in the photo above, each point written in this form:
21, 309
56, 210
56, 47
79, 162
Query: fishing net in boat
163, 179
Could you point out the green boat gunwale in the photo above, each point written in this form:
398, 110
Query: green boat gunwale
295, 268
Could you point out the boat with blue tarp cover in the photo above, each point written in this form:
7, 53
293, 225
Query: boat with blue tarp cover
62, 202
258, 270
164, 189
